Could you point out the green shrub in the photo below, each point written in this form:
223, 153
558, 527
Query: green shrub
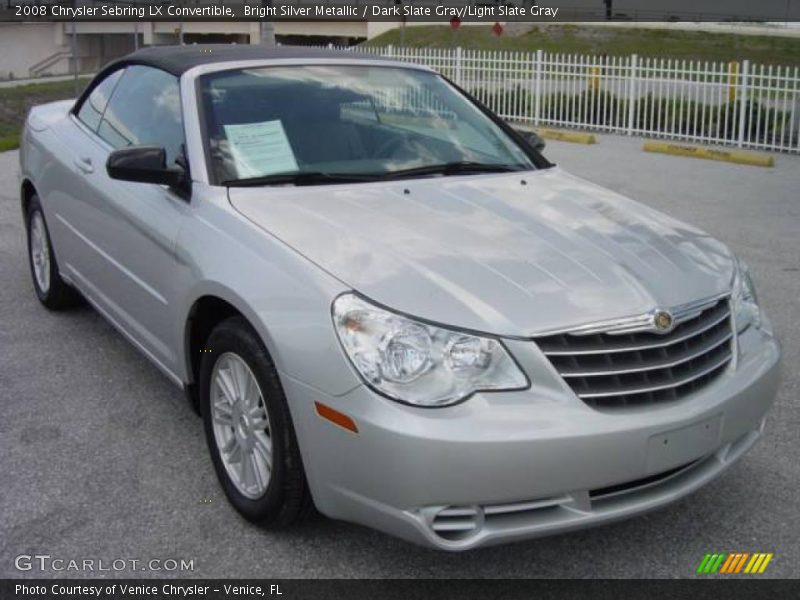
671, 116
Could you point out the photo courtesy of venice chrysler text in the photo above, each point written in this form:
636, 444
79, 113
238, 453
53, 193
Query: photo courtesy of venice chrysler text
309, 305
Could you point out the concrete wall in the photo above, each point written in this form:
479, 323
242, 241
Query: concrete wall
23, 45
47, 45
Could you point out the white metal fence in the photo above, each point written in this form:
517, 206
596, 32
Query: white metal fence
737, 103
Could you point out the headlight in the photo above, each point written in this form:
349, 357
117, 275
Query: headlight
744, 301
417, 363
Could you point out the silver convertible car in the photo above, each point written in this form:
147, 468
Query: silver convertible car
386, 303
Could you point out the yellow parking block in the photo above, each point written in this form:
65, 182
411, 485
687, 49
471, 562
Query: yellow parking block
576, 137
733, 156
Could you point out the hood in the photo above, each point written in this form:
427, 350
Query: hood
491, 253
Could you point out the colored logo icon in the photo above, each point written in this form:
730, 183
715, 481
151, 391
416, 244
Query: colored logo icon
734, 562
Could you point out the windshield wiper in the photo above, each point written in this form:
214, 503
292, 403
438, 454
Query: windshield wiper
299, 178
453, 168
321, 178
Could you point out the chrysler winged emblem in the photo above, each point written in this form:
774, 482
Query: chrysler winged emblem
662, 320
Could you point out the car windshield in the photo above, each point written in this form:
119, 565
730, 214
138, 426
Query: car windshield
336, 123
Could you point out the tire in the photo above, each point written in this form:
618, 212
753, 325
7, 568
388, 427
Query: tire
234, 350
53, 292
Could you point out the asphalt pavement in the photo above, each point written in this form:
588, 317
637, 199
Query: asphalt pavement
101, 457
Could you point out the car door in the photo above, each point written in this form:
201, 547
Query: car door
69, 191
126, 260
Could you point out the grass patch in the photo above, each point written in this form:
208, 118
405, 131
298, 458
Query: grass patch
575, 39
15, 102
9, 142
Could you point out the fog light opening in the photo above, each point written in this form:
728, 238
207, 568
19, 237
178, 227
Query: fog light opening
456, 523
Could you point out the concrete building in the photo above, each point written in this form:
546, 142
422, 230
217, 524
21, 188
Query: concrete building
39, 49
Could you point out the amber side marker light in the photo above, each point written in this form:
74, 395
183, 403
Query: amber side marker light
335, 417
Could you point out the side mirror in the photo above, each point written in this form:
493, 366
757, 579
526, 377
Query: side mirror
532, 138
144, 164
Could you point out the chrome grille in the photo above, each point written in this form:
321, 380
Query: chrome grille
615, 370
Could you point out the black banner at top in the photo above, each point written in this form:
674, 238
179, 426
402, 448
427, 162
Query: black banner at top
402, 10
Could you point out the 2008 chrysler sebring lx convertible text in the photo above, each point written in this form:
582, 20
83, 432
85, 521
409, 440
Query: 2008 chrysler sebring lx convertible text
385, 301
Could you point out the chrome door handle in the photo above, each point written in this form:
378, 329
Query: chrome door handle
84, 165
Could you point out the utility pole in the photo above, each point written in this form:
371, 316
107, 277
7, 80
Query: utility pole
267, 27
609, 8
399, 3
74, 43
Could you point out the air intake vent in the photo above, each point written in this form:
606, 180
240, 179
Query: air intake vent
610, 370
457, 522
639, 484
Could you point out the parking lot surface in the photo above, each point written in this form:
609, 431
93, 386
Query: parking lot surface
102, 458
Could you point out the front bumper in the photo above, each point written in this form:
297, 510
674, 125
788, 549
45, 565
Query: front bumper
517, 465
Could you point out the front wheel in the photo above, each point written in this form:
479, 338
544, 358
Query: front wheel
248, 428
53, 292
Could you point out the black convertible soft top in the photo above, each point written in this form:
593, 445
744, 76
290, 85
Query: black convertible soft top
179, 59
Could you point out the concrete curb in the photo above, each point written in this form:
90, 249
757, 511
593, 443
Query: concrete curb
576, 137
732, 156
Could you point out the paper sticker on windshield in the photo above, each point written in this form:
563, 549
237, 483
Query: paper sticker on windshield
260, 149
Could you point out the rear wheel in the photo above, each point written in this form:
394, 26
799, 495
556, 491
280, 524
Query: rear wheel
52, 291
248, 428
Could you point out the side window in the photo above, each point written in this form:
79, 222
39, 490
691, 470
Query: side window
91, 110
145, 109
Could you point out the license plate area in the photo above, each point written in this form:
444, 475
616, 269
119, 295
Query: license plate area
671, 449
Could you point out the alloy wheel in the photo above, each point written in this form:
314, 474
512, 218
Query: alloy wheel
241, 425
40, 252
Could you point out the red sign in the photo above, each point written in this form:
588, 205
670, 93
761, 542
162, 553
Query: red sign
455, 23
497, 29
